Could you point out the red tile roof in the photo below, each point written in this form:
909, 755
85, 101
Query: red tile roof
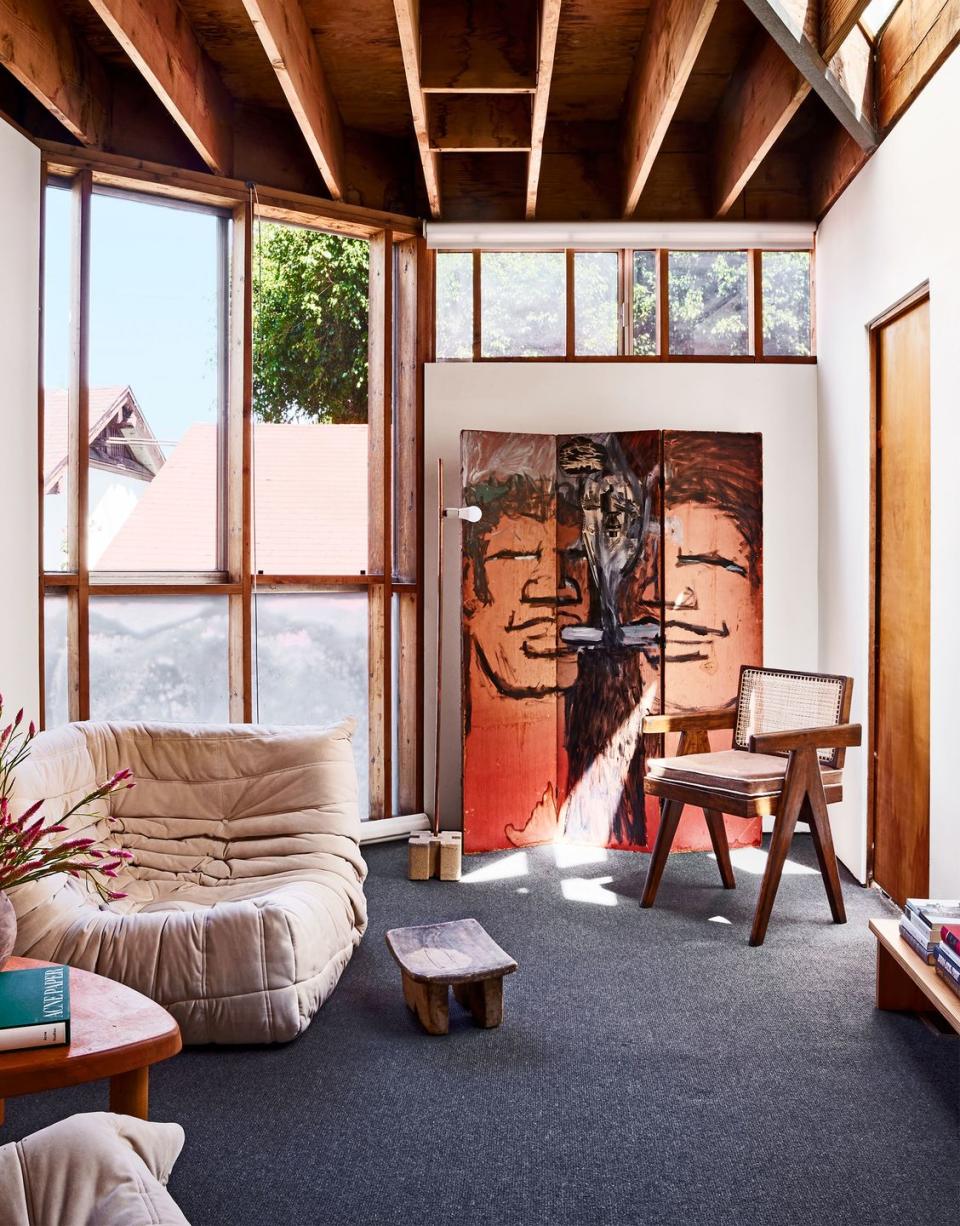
310, 509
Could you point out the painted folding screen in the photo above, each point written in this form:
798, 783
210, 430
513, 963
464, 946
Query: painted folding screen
610, 576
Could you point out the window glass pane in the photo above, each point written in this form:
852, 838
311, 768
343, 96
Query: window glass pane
786, 303
645, 303
56, 708
311, 664
523, 307
596, 281
56, 374
708, 303
311, 294
159, 658
156, 344
454, 305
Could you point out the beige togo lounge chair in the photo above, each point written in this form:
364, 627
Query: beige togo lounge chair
110, 1170
245, 895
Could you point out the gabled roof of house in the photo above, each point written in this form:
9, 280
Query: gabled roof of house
108, 407
310, 509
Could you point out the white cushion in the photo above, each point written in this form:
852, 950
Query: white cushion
732, 771
102, 1169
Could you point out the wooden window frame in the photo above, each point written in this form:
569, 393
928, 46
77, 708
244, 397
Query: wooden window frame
401, 340
755, 352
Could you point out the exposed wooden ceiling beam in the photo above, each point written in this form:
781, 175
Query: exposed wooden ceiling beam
39, 49
913, 45
793, 38
549, 21
763, 96
408, 26
837, 19
672, 38
160, 41
292, 50
837, 160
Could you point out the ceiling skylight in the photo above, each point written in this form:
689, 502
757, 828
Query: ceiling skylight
875, 15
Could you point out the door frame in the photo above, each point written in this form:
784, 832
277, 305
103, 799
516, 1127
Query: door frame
921, 293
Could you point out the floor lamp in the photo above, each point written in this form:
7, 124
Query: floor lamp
438, 853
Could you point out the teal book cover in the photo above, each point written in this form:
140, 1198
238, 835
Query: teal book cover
35, 1002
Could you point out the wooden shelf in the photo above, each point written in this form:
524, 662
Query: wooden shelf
905, 981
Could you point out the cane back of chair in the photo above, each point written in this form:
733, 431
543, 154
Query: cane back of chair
775, 700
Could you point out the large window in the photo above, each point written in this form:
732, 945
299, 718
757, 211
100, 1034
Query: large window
646, 304
230, 473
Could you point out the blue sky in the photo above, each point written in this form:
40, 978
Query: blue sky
153, 306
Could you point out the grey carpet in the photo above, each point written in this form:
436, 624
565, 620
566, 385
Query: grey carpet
651, 1068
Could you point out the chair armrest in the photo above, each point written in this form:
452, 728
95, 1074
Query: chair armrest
835, 736
690, 721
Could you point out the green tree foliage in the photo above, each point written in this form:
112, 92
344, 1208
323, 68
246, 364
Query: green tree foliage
310, 299
523, 304
708, 302
645, 303
786, 303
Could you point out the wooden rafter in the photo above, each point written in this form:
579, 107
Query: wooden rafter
831, 82
292, 50
671, 40
38, 48
408, 26
547, 44
761, 99
837, 20
912, 46
160, 41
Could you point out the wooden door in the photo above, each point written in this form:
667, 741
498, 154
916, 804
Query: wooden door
901, 689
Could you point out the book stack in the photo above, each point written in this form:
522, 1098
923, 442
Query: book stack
922, 922
34, 1007
948, 956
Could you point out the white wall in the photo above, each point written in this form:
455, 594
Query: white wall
779, 400
893, 228
19, 304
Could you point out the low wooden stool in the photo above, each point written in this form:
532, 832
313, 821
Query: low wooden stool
458, 954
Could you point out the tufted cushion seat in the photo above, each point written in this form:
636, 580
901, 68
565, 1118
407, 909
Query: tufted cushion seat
732, 771
91, 1170
245, 896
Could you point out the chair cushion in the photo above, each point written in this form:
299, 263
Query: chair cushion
732, 771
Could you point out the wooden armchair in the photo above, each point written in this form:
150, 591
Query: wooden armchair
790, 732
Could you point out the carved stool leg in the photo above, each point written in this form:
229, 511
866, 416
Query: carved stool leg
484, 999
430, 1002
669, 821
721, 848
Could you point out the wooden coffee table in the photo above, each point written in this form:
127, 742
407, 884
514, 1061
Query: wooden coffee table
115, 1033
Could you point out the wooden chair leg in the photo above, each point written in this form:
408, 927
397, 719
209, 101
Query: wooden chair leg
784, 824
815, 812
721, 848
669, 821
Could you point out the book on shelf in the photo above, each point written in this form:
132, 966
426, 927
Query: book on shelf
949, 956
917, 941
948, 971
34, 1008
931, 914
950, 936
